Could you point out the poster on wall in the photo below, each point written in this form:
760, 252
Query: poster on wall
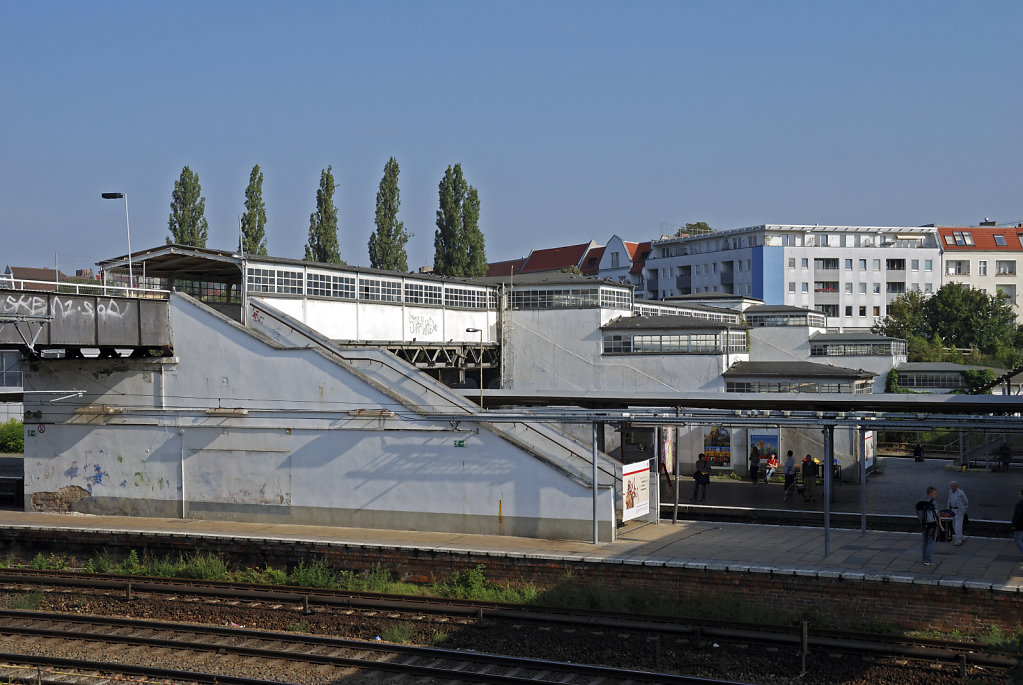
868, 448
717, 445
635, 490
763, 443
667, 449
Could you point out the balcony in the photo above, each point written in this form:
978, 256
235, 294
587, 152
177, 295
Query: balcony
684, 282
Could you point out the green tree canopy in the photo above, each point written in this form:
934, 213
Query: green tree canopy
187, 222
253, 240
459, 247
323, 245
698, 228
955, 316
387, 243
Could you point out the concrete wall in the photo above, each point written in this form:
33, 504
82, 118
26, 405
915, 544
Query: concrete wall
375, 321
234, 428
559, 349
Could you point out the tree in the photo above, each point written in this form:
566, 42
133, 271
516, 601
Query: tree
459, 247
322, 245
905, 318
387, 243
699, 228
965, 317
253, 239
187, 224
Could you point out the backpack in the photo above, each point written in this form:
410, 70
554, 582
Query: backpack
925, 512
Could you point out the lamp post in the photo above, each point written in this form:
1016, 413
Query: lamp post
118, 196
480, 331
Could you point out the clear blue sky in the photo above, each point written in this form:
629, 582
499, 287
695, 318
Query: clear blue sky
574, 120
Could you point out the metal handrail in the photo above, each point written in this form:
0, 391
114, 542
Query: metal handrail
74, 288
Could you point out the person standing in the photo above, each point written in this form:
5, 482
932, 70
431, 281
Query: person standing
918, 452
772, 466
1017, 523
701, 476
930, 524
809, 479
957, 504
754, 465
789, 471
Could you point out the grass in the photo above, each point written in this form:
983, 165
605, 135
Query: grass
469, 584
28, 601
401, 634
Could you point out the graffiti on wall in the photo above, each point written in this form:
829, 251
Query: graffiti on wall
64, 308
421, 325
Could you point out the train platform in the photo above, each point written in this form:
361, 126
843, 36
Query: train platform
979, 563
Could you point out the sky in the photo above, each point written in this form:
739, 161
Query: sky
575, 120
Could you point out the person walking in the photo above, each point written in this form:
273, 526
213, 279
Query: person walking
1017, 523
789, 471
754, 465
930, 524
772, 466
702, 476
809, 479
957, 504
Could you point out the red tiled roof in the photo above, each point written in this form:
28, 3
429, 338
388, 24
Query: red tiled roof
983, 238
639, 257
592, 264
508, 268
555, 258
29, 273
631, 247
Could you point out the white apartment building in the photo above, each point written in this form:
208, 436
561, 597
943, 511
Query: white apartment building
985, 257
848, 273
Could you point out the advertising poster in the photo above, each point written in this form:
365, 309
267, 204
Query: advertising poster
667, 451
868, 448
764, 444
717, 445
636, 490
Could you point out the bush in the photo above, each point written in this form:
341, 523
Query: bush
12, 437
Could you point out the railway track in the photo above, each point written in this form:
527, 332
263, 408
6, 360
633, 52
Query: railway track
267, 656
581, 632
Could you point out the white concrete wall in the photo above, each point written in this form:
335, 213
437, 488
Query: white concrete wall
781, 343
168, 438
559, 349
375, 321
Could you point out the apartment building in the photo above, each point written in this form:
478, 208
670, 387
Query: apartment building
848, 273
985, 257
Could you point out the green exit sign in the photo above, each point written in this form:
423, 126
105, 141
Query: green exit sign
459, 443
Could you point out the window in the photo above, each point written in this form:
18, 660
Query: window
804, 287
614, 260
330, 285
423, 293
848, 288
863, 310
895, 287
928, 287
1000, 240
877, 311
927, 265
697, 269
792, 262
848, 310
877, 288
1005, 267
805, 263
822, 240
863, 288
960, 238
914, 265
982, 268
877, 265
379, 290
957, 267
828, 309
825, 264
895, 264
848, 265
792, 286
863, 265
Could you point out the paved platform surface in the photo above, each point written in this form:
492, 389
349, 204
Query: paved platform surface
979, 562
993, 563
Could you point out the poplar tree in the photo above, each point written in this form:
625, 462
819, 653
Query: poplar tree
253, 239
323, 245
459, 248
187, 223
387, 243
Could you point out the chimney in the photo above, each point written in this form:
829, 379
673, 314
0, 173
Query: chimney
987, 222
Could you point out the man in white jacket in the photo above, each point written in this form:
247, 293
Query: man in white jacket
957, 504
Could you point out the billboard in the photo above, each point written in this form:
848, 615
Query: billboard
635, 490
717, 445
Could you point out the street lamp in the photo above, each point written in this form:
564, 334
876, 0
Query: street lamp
480, 331
118, 196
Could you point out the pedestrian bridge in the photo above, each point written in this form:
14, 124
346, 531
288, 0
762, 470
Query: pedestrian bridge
72, 320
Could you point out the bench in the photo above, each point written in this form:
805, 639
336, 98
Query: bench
998, 463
